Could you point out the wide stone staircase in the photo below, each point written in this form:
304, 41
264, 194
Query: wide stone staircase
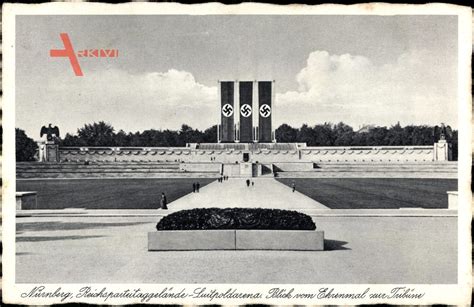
25, 170
435, 169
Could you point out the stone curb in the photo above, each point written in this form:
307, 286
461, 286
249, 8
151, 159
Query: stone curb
312, 213
181, 240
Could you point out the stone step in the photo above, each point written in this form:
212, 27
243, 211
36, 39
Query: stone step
58, 166
116, 175
385, 165
326, 170
388, 166
99, 162
92, 170
446, 175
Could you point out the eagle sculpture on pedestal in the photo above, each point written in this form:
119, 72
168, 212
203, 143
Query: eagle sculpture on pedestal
51, 132
442, 133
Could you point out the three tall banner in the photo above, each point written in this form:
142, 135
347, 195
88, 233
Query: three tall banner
240, 102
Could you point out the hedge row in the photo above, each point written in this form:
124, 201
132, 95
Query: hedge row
236, 218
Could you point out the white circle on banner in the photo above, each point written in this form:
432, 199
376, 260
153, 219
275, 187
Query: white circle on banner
246, 110
227, 110
265, 110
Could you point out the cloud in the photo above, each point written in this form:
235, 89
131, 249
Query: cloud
164, 89
133, 102
419, 87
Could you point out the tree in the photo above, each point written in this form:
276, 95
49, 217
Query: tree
135, 139
286, 134
188, 135
454, 142
395, 136
121, 139
25, 147
170, 138
379, 136
72, 140
323, 135
210, 135
306, 135
360, 139
97, 134
343, 134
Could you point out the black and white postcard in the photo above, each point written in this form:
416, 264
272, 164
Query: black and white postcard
236, 154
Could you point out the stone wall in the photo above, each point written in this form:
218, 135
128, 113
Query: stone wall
201, 167
368, 154
292, 166
231, 169
436, 152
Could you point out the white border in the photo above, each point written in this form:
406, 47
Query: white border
442, 294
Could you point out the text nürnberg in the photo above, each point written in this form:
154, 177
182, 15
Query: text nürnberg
205, 294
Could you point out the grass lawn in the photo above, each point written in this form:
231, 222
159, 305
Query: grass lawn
375, 193
107, 193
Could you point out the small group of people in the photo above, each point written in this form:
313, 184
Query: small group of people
222, 178
249, 182
196, 187
213, 158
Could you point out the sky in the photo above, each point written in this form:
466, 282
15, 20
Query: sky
360, 70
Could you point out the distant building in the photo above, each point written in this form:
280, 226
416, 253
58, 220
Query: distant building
365, 128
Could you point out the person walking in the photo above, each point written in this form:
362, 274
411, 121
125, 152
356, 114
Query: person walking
194, 187
163, 202
252, 183
197, 187
293, 186
248, 182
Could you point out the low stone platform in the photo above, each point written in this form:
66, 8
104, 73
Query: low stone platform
26, 200
181, 240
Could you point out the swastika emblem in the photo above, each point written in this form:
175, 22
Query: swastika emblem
265, 110
245, 110
227, 110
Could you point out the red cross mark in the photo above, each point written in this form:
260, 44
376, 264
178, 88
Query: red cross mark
67, 52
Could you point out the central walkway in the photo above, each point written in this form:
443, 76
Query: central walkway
265, 193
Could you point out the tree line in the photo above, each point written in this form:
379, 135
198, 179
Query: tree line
341, 134
326, 134
103, 134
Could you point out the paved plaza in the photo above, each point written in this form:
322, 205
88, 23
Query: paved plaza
113, 249
414, 246
234, 192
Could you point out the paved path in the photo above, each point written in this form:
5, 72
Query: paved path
414, 212
266, 193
